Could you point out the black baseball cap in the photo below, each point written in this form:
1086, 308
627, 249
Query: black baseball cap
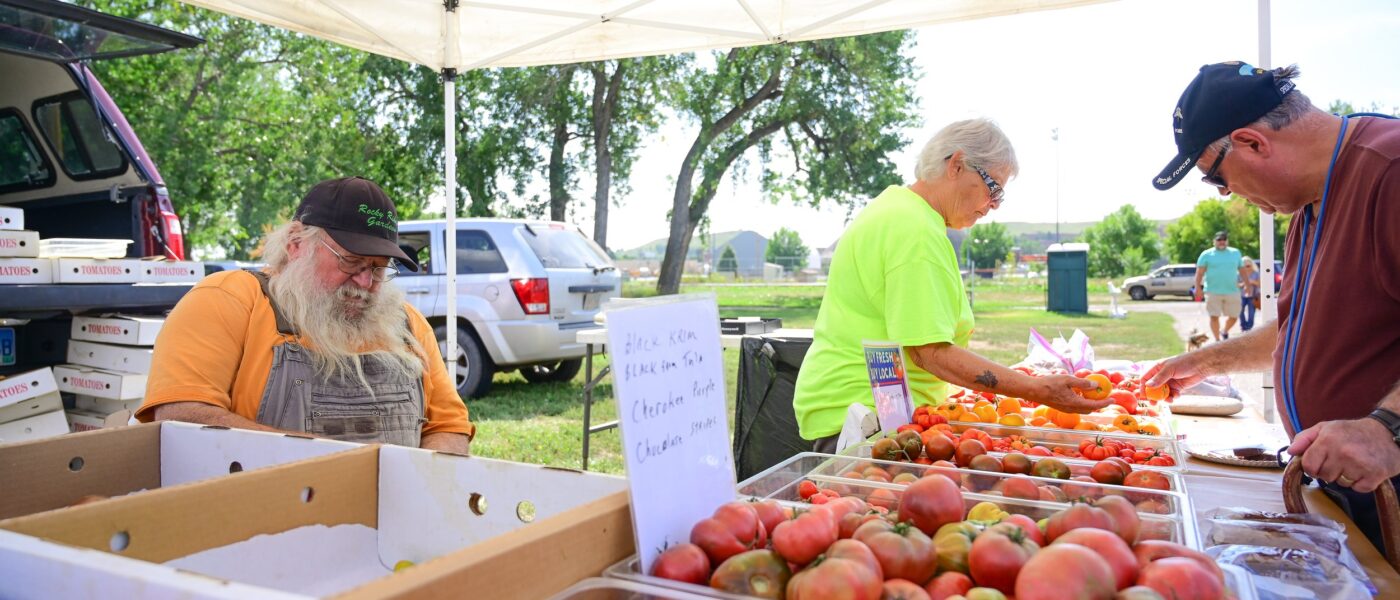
358, 215
1222, 98
1221, 235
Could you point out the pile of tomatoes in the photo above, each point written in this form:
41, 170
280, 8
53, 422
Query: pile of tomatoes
932, 546
1090, 448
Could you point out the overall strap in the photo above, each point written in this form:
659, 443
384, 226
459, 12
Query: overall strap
284, 326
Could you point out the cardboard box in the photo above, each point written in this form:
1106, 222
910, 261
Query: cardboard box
19, 244
113, 385
37, 427
97, 270
104, 406
26, 270
90, 420
30, 393
11, 218
183, 271
128, 330
126, 359
55, 473
498, 529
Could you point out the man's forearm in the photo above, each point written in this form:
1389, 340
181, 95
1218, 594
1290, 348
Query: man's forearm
965, 368
1250, 352
456, 443
208, 414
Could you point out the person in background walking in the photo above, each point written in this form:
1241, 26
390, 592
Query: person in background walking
1221, 268
1249, 293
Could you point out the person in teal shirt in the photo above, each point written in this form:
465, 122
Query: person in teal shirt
895, 277
1221, 268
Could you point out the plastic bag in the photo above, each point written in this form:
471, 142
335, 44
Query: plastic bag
1291, 573
1070, 355
1325, 542
1240, 513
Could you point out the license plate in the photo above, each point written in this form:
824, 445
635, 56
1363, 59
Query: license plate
7, 346
590, 301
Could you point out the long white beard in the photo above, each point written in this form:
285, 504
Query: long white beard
339, 324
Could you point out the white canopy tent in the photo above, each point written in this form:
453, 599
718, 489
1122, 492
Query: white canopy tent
454, 35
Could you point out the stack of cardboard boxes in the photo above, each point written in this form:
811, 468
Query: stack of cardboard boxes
109, 357
26, 259
30, 407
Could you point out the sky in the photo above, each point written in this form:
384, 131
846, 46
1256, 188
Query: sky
1106, 75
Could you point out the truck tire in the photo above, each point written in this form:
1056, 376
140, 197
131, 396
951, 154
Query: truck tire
1139, 293
474, 366
552, 372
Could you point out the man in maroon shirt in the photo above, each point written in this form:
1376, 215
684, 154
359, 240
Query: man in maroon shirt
1335, 350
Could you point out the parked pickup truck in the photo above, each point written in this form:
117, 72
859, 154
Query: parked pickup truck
524, 289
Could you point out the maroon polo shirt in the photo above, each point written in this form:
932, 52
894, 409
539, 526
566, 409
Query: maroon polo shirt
1348, 345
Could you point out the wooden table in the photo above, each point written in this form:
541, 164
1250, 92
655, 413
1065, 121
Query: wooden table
1213, 485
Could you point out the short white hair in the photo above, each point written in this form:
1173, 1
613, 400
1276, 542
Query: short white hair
983, 145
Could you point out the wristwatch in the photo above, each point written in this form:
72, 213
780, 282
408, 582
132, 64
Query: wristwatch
1390, 420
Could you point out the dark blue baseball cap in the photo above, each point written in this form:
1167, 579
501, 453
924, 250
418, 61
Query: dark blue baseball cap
1222, 98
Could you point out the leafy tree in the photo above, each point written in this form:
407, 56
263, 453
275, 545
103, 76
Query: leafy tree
1122, 243
728, 263
832, 109
1195, 232
786, 249
987, 243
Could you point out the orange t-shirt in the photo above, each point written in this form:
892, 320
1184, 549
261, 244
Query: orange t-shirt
216, 347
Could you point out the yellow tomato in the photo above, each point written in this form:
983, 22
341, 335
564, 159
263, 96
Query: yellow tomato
1087, 426
1125, 422
1013, 420
986, 413
1008, 406
1041, 411
1149, 429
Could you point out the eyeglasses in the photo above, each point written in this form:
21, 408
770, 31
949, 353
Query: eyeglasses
993, 188
355, 266
1212, 178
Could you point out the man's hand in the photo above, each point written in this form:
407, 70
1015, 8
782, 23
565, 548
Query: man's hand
1358, 454
1057, 392
1179, 372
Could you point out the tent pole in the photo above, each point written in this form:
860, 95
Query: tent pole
1268, 312
449, 138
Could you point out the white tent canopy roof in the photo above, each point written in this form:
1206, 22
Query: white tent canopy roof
516, 33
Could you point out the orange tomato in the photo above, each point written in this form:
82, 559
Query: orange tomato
1039, 421
1125, 422
1149, 429
1012, 420
951, 411
1009, 406
1155, 392
1087, 426
1041, 411
1063, 419
986, 413
1103, 389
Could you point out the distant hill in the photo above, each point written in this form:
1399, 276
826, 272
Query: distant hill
1034, 238
656, 249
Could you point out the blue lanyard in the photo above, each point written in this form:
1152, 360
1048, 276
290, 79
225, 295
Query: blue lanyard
1301, 285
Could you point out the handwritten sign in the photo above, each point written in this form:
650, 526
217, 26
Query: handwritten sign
893, 404
668, 378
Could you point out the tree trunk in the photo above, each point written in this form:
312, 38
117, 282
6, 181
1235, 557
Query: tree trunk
605, 98
558, 182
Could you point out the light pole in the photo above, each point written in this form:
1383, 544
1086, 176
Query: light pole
971, 267
1055, 135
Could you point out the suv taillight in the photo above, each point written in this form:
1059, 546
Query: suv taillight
174, 235
533, 295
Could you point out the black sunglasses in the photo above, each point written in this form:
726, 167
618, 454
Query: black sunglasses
1212, 178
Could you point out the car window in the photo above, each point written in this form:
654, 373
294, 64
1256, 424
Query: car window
563, 248
22, 165
415, 245
73, 132
477, 253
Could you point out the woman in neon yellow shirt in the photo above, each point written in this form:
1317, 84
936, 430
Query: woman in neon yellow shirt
895, 277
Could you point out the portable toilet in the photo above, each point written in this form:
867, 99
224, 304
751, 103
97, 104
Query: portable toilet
1067, 267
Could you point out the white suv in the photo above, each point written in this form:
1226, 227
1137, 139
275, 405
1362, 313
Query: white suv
524, 289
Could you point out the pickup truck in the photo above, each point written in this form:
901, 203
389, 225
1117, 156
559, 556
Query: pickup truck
524, 290
72, 163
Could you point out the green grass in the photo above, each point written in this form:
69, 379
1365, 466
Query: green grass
542, 423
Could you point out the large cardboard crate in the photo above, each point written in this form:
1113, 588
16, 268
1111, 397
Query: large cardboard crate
55, 473
332, 526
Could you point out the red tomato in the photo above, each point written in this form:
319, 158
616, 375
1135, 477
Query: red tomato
734, 528
932, 502
1146, 479
1028, 525
807, 489
1181, 579
1148, 551
1081, 492
1106, 472
1097, 449
904, 552
967, 449
1075, 517
997, 556
951, 583
1116, 378
1126, 522
804, 538
1112, 550
771, 513
903, 589
1082, 373
683, 562
760, 573
1065, 571
883, 498
1038, 451
939, 447
853, 521
915, 427
817, 583
858, 552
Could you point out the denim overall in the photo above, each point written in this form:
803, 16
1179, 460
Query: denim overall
341, 408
